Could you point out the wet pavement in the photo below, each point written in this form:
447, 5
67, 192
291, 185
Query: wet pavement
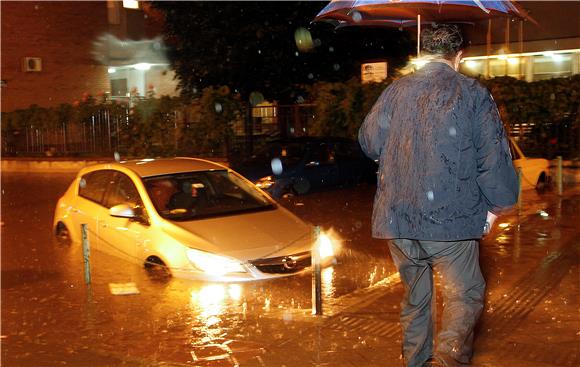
50, 317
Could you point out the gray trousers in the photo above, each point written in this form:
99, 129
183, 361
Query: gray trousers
463, 295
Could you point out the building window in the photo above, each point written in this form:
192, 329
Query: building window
130, 4
119, 87
552, 66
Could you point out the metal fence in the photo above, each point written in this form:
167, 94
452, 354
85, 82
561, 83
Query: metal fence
106, 132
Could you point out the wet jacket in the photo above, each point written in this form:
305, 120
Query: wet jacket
444, 158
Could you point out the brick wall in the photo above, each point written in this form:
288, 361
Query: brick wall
61, 34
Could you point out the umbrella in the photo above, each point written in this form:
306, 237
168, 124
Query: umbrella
451, 11
403, 13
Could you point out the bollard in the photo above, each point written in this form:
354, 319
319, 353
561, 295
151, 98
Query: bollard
86, 253
559, 175
520, 180
316, 274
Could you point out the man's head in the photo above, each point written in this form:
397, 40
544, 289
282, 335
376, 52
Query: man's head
442, 41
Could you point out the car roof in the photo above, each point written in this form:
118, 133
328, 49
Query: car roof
311, 140
163, 166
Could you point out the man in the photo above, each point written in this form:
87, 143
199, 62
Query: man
445, 167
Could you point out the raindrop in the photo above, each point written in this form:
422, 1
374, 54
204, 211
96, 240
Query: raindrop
336, 67
452, 131
356, 17
303, 39
430, 195
259, 52
218, 107
117, 156
310, 76
331, 49
276, 166
300, 99
83, 183
296, 53
317, 42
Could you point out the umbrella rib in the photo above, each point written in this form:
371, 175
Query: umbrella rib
478, 2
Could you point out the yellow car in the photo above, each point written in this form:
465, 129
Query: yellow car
190, 217
535, 171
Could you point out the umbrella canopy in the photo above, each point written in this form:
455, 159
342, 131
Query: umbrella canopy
404, 13
407, 12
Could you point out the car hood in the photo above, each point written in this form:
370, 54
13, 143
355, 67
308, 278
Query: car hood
252, 236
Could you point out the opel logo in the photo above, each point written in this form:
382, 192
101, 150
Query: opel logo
289, 263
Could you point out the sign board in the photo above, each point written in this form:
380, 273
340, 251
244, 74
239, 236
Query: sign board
374, 72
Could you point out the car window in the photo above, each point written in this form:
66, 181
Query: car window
347, 150
289, 152
93, 185
321, 153
122, 190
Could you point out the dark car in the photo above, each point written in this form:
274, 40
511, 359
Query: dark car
302, 164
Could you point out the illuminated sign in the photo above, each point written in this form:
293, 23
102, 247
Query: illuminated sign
374, 72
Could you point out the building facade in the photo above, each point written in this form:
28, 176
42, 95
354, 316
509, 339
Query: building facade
57, 52
546, 47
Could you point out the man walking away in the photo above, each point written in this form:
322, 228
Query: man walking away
445, 173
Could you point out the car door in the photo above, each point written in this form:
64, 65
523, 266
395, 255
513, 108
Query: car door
123, 237
88, 207
320, 168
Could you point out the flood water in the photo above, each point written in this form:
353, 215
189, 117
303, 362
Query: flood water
48, 308
50, 317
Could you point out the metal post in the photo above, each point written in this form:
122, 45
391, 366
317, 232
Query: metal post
559, 175
86, 253
418, 36
520, 179
316, 275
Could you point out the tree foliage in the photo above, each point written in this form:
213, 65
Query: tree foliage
268, 47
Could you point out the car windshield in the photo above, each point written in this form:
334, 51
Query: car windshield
195, 195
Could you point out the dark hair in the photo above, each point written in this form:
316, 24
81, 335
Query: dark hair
443, 39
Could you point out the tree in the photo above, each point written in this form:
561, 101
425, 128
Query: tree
268, 47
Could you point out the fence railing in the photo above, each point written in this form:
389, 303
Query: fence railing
104, 133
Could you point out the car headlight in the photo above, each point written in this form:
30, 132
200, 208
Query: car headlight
213, 264
325, 246
265, 182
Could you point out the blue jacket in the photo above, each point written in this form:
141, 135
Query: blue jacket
444, 159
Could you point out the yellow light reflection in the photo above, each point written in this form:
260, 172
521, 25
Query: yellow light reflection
235, 292
471, 64
328, 288
503, 225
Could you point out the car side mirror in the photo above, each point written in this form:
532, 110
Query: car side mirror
123, 211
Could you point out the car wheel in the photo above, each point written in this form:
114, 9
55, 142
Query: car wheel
156, 268
301, 186
62, 234
542, 183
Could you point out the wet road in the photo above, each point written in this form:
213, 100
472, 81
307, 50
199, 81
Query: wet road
47, 309
50, 317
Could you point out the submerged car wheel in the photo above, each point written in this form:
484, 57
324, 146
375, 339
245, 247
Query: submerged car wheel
301, 186
542, 182
156, 268
62, 234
